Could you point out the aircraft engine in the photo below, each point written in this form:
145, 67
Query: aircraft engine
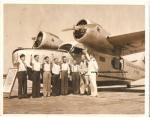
93, 36
45, 40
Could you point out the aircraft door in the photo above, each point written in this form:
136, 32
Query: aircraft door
117, 63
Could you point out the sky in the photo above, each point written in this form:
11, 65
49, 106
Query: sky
24, 21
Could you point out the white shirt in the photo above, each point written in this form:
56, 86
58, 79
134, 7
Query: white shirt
55, 69
22, 66
83, 66
75, 68
36, 66
92, 66
64, 66
46, 66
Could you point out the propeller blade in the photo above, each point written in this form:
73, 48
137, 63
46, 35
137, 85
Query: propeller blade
68, 29
91, 25
81, 27
86, 26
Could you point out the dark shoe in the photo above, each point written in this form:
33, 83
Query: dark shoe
33, 96
20, 96
81, 94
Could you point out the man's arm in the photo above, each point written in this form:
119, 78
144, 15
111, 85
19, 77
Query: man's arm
81, 68
16, 61
17, 64
31, 60
96, 65
86, 54
51, 65
69, 68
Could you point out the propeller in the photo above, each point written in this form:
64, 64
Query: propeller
86, 26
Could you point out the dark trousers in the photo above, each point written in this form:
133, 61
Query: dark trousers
76, 82
36, 84
55, 84
22, 83
64, 82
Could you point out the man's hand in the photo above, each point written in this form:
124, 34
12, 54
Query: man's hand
69, 77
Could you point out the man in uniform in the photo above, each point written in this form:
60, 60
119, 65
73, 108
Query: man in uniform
92, 72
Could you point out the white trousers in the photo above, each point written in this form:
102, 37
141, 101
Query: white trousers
93, 85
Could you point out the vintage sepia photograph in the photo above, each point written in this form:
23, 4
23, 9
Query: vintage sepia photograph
74, 59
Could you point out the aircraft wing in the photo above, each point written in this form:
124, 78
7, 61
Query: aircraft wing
128, 43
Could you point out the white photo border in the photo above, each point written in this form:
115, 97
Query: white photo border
96, 2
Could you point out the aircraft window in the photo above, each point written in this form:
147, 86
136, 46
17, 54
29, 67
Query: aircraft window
116, 64
101, 58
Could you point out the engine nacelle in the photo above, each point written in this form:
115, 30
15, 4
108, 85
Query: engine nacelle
47, 40
95, 37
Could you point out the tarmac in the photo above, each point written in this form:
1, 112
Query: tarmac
111, 100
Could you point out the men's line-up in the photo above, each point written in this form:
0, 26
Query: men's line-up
56, 76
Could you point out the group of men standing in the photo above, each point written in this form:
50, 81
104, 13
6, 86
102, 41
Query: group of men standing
56, 76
